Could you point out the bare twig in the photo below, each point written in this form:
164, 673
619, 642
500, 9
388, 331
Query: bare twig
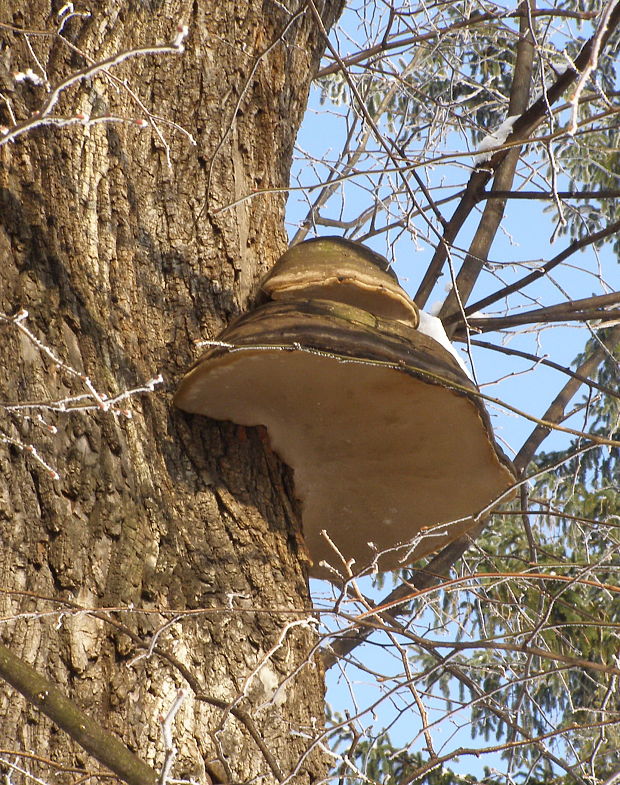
170, 749
511, 351
43, 115
541, 271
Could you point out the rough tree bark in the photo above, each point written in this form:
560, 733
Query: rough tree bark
123, 263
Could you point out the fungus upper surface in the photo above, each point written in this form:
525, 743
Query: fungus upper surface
332, 268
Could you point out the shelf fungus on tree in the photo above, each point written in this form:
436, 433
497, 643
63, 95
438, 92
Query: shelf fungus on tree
392, 449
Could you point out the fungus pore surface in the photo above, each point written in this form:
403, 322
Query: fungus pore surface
388, 441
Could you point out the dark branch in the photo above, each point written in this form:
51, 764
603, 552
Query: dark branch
600, 301
603, 193
490, 324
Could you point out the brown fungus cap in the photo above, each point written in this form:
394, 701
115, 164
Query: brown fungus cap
333, 268
388, 440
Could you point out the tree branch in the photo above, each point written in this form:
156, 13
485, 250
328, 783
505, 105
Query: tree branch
494, 208
555, 412
98, 742
597, 301
603, 193
363, 109
521, 130
43, 115
576, 245
488, 324
549, 363
442, 562
435, 571
475, 18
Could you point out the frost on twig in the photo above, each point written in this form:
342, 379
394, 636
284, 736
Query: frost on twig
166, 730
30, 450
88, 399
43, 115
68, 12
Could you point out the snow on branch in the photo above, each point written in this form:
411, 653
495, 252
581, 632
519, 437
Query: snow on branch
494, 140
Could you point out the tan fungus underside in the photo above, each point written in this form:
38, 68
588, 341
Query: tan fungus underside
378, 454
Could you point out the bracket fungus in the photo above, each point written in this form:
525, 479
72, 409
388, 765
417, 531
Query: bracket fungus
391, 446
332, 268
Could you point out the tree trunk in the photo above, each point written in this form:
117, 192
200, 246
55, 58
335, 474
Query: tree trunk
123, 262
